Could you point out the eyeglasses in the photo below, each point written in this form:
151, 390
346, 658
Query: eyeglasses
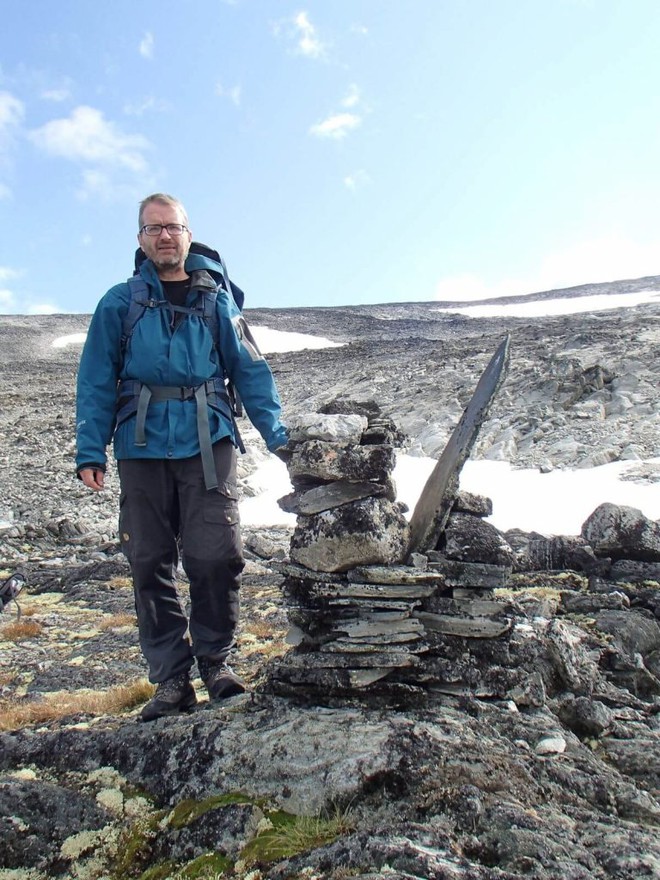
156, 228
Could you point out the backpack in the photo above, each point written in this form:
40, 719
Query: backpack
140, 299
130, 391
9, 591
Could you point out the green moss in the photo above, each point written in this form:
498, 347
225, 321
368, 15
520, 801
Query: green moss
209, 866
135, 847
291, 835
161, 871
185, 811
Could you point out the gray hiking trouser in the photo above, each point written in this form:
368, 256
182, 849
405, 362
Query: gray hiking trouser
165, 507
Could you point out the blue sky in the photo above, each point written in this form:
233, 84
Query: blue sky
335, 152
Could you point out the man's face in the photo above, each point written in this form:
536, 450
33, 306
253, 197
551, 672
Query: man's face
167, 252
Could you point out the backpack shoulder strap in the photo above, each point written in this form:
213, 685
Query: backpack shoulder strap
138, 303
208, 298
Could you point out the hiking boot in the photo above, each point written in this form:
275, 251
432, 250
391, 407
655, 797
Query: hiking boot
172, 697
220, 680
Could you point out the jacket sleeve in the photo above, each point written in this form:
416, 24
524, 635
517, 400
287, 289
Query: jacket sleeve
98, 375
247, 368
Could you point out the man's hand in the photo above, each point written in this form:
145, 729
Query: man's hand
93, 478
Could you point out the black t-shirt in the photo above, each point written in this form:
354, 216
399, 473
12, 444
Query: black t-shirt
176, 292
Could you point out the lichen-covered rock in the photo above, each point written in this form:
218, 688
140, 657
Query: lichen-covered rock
621, 532
536, 552
585, 716
37, 817
341, 429
472, 539
222, 829
633, 571
372, 531
477, 505
318, 461
635, 632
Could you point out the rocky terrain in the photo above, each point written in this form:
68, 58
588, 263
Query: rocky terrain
542, 760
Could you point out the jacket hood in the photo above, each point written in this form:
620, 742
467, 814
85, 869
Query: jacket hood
195, 262
200, 256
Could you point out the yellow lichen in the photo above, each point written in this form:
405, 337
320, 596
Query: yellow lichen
112, 799
78, 844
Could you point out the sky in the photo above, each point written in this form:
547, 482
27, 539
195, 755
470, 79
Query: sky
344, 152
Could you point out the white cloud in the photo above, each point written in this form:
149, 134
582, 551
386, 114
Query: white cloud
356, 179
336, 126
357, 28
139, 108
7, 300
306, 37
13, 303
6, 274
603, 258
96, 182
85, 136
43, 309
111, 187
147, 45
308, 41
56, 95
232, 92
352, 99
12, 112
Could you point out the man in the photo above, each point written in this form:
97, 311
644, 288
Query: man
161, 393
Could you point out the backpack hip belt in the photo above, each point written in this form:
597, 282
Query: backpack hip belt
134, 398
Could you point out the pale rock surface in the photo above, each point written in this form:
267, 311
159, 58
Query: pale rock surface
341, 429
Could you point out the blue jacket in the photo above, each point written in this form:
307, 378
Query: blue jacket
158, 354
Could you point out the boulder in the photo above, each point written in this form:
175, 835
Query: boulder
372, 531
633, 571
319, 461
472, 539
536, 552
477, 505
621, 532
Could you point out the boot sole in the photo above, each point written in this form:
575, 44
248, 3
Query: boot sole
182, 708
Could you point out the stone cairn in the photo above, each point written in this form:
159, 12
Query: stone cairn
369, 619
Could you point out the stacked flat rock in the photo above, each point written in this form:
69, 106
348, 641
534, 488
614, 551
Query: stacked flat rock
350, 601
363, 622
469, 629
344, 495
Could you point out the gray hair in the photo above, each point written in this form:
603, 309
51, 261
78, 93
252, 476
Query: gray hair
161, 199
